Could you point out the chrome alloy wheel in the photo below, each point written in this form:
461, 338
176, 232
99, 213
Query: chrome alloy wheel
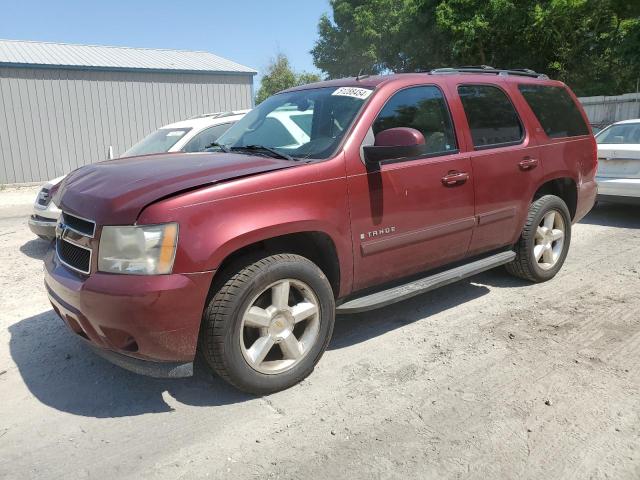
549, 240
280, 326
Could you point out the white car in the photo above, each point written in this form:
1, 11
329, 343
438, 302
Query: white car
193, 135
618, 174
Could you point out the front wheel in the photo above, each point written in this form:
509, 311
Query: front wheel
266, 328
544, 242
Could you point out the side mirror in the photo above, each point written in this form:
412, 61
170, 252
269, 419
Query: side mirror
393, 143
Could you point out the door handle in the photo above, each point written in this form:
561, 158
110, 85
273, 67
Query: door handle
452, 179
528, 163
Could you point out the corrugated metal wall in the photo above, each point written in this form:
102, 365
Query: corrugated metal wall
611, 109
53, 120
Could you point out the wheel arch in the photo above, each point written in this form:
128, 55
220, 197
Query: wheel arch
316, 245
564, 187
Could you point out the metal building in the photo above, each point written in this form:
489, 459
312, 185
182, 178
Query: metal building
62, 106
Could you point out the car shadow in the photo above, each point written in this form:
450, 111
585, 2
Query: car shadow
356, 328
36, 248
65, 374
614, 215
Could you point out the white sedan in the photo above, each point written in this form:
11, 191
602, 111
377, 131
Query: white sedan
618, 174
192, 135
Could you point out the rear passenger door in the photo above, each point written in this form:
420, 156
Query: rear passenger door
505, 165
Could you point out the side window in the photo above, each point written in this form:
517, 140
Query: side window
492, 118
555, 109
304, 121
205, 138
422, 108
272, 133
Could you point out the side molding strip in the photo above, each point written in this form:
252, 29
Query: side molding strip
496, 215
404, 239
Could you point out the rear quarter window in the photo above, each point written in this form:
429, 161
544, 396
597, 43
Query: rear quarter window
556, 111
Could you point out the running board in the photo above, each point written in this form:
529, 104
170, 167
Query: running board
422, 285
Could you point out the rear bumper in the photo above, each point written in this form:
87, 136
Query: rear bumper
132, 320
587, 193
42, 226
618, 187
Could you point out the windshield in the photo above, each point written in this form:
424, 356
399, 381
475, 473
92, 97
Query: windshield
622, 133
301, 124
159, 141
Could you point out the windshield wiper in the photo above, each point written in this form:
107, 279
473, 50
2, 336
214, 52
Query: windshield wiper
270, 150
222, 147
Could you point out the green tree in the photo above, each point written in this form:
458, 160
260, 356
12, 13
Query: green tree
280, 76
593, 45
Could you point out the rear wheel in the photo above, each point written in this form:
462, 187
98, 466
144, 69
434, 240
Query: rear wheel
544, 242
266, 328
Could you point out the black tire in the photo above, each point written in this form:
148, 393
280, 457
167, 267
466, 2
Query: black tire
222, 320
525, 265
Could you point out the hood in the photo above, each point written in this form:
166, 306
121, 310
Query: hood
54, 183
115, 192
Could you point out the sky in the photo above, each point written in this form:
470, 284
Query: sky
249, 32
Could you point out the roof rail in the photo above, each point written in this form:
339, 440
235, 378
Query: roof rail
219, 114
523, 72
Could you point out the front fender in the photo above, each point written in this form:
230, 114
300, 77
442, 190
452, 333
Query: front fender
212, 230
266, 232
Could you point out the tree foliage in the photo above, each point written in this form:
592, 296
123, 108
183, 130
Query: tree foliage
593, 45
280, 76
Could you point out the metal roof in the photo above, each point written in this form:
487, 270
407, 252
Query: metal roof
17, 53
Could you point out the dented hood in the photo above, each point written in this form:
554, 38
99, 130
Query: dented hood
115, 192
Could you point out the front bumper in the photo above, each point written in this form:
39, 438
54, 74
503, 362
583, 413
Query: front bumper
44, 219
146, 367
146, 324
42, 226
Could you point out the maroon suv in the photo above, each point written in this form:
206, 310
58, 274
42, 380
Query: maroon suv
343, 195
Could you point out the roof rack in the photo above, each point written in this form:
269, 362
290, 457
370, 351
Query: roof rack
219, 114
523, 72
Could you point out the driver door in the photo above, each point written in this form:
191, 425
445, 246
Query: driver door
407, 217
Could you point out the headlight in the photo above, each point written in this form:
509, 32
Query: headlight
138, 250
44, 196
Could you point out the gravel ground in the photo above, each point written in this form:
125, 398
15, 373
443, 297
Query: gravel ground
488, 378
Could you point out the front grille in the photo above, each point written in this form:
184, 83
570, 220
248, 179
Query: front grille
44, 197
74, 256
80, 225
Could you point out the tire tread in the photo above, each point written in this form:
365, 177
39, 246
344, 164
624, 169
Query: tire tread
220, 312
521, 266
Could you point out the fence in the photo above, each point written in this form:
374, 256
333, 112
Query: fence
605, 110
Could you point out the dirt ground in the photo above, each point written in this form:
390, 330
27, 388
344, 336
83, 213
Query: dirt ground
490, 378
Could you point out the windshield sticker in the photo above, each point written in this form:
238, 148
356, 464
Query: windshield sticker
176, 133
354, 92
